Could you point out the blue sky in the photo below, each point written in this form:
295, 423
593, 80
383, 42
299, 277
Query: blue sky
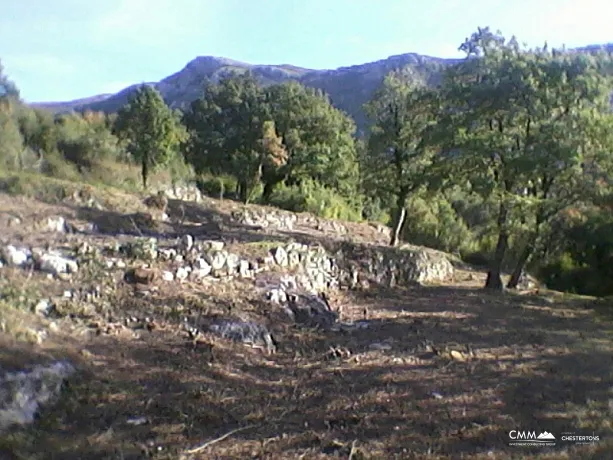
65, 49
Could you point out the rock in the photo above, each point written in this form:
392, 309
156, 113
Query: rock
16, 257
217, 260
213, 246
277, 296
187, 242
168, 276
280, 256
43, 307
244, 269
246, 332
182, 273
55, 263
57, 224
201, 264
137, 421
23, 393
293, 259
311, 311
232, 262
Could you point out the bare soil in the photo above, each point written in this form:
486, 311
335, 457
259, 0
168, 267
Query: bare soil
441, 372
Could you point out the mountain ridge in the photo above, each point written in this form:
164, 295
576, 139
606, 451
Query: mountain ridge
349, 87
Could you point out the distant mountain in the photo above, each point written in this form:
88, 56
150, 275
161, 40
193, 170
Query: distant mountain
349, 87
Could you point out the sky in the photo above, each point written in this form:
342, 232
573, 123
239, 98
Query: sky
59, 50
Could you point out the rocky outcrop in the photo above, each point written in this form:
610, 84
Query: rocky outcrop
23, 393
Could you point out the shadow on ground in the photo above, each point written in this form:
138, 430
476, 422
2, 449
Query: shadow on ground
536, 366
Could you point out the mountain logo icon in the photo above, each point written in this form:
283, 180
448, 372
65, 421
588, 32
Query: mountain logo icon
546, 436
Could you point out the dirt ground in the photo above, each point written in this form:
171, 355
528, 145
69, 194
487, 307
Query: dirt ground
441, 372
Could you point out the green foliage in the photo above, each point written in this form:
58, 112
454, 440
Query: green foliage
397, 160
151, 130
317, 199
523, 127
285, 133
317, 137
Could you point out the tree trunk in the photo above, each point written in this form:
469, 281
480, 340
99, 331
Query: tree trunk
269, 187
144, 172
526, 253
244, 192
401, 214
519, 266
494, 280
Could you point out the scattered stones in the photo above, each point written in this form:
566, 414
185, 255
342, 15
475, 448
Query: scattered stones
267, 219
168, 276
23, 393
184, 193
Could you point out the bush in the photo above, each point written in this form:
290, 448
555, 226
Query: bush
312, 197
217, 186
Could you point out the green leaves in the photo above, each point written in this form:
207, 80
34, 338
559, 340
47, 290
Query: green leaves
282, 133
152, 130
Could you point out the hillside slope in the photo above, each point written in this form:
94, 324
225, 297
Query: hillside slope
191, 334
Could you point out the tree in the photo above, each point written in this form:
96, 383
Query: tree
227, 127
317, 137
401, 110
152, 131
518, 125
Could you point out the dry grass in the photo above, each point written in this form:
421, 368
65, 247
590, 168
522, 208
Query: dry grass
458, 370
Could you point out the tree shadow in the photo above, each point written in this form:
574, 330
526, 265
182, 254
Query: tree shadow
531, 370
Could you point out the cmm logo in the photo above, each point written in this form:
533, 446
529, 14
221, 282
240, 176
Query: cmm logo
529, 438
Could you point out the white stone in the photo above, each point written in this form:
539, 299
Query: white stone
182, 273
56, 224
167, 276
232, 262
55, 264
217, 260
14, 256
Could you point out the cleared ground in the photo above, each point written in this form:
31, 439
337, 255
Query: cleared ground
442, 371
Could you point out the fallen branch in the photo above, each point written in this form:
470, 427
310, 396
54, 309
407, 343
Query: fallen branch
201, 447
